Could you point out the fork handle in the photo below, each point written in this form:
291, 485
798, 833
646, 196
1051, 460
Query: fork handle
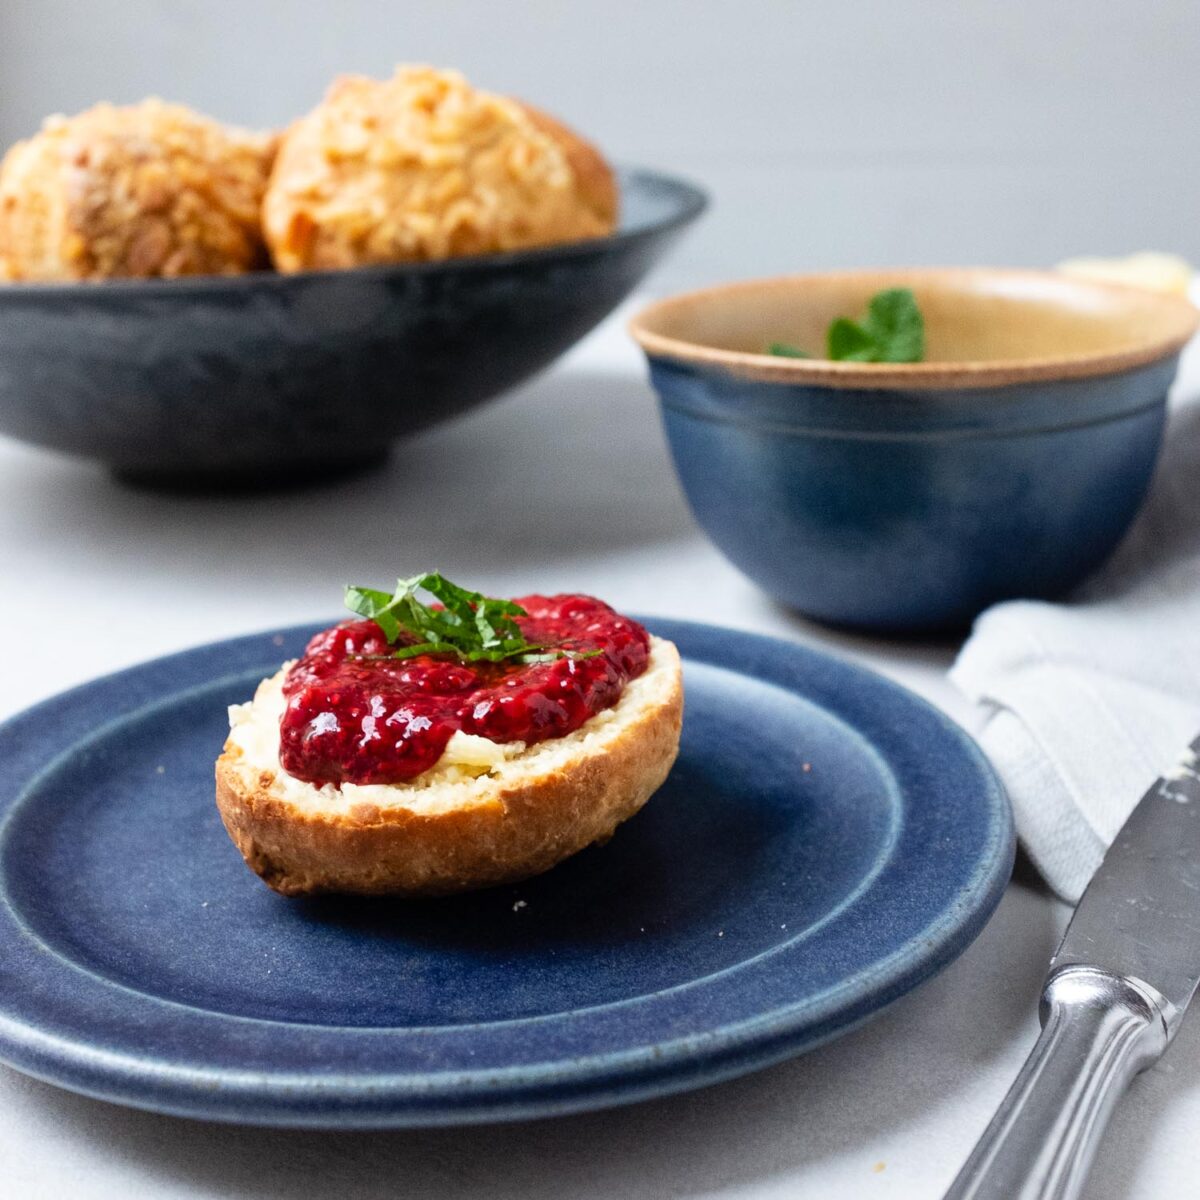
1099, 1029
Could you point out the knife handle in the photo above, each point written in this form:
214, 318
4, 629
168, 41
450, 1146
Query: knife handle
1098, 1031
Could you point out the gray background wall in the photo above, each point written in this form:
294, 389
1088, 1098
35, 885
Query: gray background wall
837, 133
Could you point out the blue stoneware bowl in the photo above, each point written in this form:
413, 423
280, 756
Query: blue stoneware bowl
910, 496
269, 378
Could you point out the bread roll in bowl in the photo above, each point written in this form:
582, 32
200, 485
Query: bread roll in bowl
424, 166
140, 191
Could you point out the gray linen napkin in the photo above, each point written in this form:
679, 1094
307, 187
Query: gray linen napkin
1081, 705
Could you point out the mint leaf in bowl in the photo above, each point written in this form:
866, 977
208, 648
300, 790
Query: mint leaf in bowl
893, 332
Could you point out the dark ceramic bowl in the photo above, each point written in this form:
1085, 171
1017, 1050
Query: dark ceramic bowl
911, 496
278, 378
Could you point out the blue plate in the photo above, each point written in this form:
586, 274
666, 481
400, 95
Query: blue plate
825, 842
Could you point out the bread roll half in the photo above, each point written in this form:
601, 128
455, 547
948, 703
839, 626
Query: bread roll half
485, 814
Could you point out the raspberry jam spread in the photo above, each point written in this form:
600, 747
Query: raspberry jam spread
357, 715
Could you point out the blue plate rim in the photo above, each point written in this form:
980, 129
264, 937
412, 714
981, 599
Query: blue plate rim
527, 1088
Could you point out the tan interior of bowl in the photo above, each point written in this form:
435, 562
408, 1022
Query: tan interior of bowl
983, 326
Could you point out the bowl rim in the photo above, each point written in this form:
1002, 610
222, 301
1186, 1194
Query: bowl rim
692, 200
1180, 321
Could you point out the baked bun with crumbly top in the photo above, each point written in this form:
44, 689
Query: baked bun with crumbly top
424, 166
486, 813
595, 183
143, 190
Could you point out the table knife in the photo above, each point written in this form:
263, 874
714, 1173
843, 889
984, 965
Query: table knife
1117, 988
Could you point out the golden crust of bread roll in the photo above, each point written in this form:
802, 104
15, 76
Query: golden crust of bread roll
151, 189
453, 829
594, 179
424, 166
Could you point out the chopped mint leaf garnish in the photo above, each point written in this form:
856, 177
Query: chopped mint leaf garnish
469, 625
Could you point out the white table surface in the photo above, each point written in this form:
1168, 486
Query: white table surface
520, 498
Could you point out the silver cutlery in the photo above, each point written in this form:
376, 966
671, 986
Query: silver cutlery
1117, 988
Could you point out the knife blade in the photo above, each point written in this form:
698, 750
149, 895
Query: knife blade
1119, 983
1140, 915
